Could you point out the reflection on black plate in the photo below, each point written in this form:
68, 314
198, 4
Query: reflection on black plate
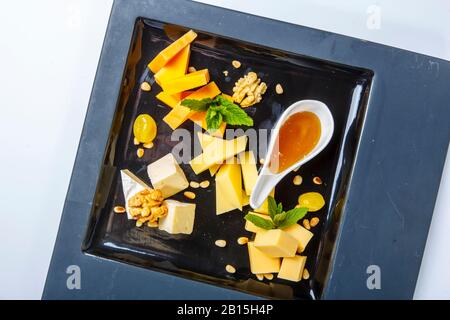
344, 89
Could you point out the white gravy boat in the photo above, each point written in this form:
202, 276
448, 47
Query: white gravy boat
267, 180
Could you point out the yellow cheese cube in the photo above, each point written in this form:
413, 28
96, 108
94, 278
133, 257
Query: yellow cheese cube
292, 268
302, 235
218, 151
260, 262
205, 140
249, 226
249, 171
171, 51
179, 219
228, 188
186, 82
264, 209
276, 243
175, 68
180, 114
165, 174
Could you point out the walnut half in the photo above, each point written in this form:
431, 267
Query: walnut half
248, 90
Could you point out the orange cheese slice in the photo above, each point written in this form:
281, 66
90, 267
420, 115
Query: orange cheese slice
175, 68
171, 51
187, 82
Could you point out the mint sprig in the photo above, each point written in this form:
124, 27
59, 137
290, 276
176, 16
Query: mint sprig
219, 110
278, 218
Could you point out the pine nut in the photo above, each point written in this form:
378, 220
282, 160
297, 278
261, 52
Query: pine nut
225, 73
260, 277
306, 224
145, 86
190, 195
297, 180
314, 222
305, 274
191, 69
236, 64
221, 243
119, 209
230, 268
279, 89
140, 153
139, 223
136, 141
261, 161
242, 240
204, 184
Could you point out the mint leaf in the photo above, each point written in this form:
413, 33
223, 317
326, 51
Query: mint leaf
273, 210
197, 105
213, 118
260, 222
234, 115
292, 217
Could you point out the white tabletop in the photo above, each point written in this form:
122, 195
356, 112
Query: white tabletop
49, 51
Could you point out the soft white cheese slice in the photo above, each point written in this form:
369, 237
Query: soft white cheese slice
131, 185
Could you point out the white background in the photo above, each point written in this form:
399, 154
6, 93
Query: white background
49, 51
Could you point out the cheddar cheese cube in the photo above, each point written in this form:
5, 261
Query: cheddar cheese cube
260, 262
171, 51
292, 268
190, 81
276, 243
179, 219
165, 174
302, 235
